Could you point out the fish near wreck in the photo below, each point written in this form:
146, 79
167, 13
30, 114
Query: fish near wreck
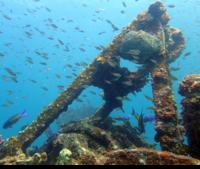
142, 120
14, 119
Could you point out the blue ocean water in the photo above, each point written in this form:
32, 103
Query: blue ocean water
68, 32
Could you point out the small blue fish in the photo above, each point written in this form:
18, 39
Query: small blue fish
126, 118
49, 133
14, 119
149, 118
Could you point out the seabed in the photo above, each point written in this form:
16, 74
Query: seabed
150, 42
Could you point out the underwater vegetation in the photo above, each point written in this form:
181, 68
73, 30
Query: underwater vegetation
100, 139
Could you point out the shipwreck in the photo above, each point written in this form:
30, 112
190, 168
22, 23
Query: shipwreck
153, 44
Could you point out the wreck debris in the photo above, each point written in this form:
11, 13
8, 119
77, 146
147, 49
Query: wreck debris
83, 139
190, 89
169, 132
144, 157
117, 90
22, 159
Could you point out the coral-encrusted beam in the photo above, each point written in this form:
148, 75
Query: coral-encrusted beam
190, 89
169, 133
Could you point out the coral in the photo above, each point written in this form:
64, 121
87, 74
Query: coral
145, 157
169, 132
86, 141
190, 89
140, 46
190, 86
64, 157
22, 159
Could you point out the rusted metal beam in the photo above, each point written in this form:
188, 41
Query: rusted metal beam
137, 80
169, 133
190, 89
